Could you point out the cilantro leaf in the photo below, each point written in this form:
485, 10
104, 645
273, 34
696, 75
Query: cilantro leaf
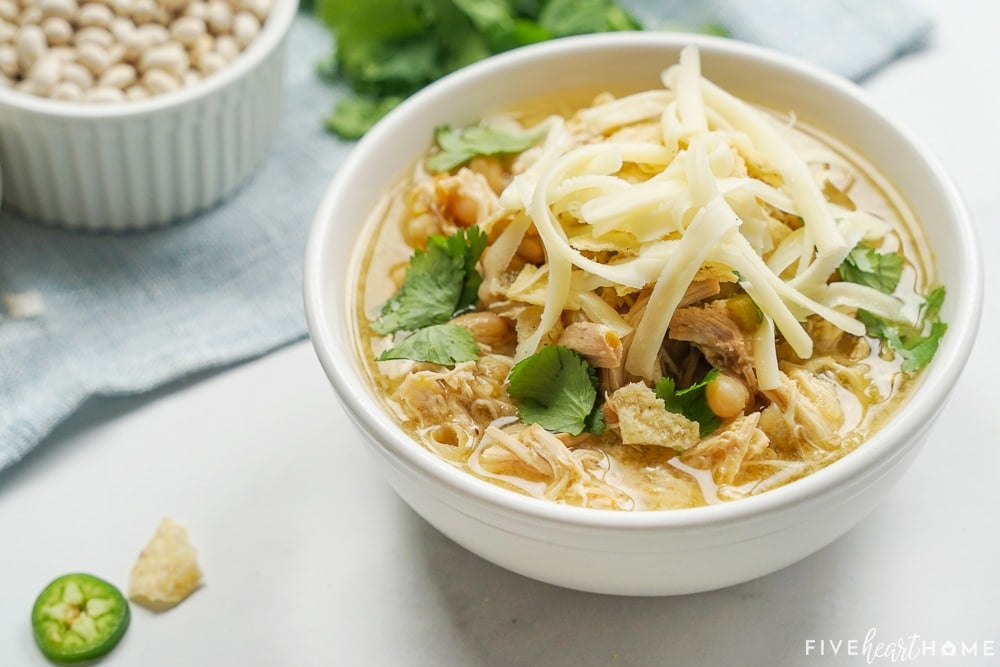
577, 17
915, 345
457, 147
690, 402
440, 281
556, 389
444, 344
865, 266
354, 115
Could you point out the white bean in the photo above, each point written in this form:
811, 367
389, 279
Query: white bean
143, 11
9, 10
93, 14
68, 91
260, 8
121, 28
170, 57
8, 32
122, 8
173, 6
197, 9
31, 16
227, 47
76, 73
94, 57
8, 60
190, 77
187, 30
118, 76
210, 63
158, 81
154, 34
58, 31
245, 28
31, 44
67, 54
46, 72
64, 9
94, 34
104, 94
220, 17
136, 93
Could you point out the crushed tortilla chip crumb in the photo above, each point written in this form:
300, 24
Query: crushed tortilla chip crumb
167, 570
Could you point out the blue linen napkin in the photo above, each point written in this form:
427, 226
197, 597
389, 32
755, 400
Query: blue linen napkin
125, 314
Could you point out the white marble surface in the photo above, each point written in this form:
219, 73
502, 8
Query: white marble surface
310, 559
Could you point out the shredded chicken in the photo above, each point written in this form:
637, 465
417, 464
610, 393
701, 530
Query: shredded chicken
597, 343
810, 406
725, 451
714, 330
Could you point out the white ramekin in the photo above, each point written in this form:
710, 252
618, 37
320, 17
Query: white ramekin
143, 164
637, 553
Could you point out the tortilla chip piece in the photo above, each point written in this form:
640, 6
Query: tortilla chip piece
167, 570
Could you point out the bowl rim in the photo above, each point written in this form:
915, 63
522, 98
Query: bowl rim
273, 30
892, 441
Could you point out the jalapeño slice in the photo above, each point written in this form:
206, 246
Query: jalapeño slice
78, 617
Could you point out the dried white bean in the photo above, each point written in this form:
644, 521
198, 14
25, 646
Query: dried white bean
210, 63
46, 72
9, 10
122, 8
159, 81
121, 28
94, 14
103, 94
245, 28
31, 16
170, 57
220, 17
173, 6
8, 60
31, 45
67, 54
260, 8
58, 31
136, 93
154, 34
76, 73
68, 91
64, 9
94, 57
94, 34
190, 77
8, 32
118, 76
197, 9
227, 47
187, 30
144, 11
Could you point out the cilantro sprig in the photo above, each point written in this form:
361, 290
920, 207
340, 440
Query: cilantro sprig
916, 345
690, 402
557, 389
865, 266
441, 282
456, 147
444, 344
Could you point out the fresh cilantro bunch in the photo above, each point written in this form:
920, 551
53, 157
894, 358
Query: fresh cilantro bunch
690, 402
915, 344
388, 49
557, 389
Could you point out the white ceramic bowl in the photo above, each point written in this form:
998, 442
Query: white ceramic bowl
645, 553
143, 164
